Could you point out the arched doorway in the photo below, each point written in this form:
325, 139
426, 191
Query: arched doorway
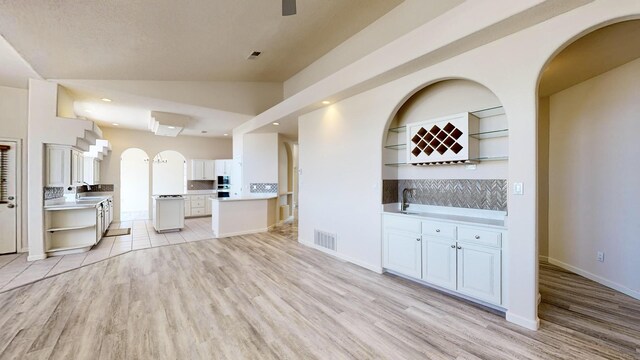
134, 185
169, 173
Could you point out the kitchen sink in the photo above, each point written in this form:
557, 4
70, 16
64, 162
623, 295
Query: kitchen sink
90, 198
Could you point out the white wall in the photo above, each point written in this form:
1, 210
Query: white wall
593, 177
134, 181
13, 125
191, 147
260, 159
169, 177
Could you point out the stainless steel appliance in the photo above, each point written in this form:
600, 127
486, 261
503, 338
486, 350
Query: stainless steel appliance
224, 186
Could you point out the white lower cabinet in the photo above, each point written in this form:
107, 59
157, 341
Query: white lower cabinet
439, 262
461, 258
403, 253
197, 205
479, 270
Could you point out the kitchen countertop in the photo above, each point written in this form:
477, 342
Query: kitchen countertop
246, 198
64, 204
491, 218
449, 217
201, 192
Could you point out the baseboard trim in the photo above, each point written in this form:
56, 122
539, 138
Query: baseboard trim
523, 321
608, 283
376, 269
248, 232
36, 257
543, 258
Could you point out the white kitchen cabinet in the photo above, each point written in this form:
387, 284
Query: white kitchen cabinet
187, 205
91, 170
96, 171
58, 166
197, 205
224, 167
439, 261
202, 170
77, 167
207, 205
479, 272
403, 253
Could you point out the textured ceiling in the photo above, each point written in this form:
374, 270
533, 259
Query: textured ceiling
592, 55
180, 40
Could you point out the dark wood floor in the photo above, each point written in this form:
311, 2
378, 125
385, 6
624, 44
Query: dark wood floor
266, 296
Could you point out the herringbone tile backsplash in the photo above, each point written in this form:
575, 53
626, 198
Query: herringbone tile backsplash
463, 193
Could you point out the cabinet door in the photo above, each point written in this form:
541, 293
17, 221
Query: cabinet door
96, 171
197, 169
219, 164
187, 206
439, 262
403, 253
58, 165
209, 170
228, 166
479, 272
76, 167
207, 206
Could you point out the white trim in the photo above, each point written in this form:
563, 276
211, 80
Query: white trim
608, 283
523, 321
247, 232
36, 257
19, 202
374, 268
543, 258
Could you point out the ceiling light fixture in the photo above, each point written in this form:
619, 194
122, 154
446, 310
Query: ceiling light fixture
326, 102
276, 123
106, 100
114, 124
226, 134
171, 127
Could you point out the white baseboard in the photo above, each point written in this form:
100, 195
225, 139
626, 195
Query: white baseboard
36, 257
608, 283
523, 321
247, 232
374, 268
543, 258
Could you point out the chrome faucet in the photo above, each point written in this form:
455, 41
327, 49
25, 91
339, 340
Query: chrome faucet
405, 197
88, 185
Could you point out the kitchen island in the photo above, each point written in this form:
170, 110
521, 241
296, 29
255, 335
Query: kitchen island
242, 215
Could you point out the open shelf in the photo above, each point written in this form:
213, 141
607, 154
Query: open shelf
461, 162
74, 247
398, 129
488, 112
71, 228
396, 146
490, 134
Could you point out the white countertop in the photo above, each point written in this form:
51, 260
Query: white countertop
66, 204
471, 216
201, 192
246, 198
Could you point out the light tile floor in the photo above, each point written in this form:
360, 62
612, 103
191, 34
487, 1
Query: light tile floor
15, 270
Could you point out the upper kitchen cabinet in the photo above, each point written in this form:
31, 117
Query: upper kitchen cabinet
224, 167
203, 170
58, 166
91, 170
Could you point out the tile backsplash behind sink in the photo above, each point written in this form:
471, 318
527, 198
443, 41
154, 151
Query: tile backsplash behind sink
462, 193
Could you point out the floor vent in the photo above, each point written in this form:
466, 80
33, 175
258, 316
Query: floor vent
324, 239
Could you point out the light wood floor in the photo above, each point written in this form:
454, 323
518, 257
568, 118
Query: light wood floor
266, 296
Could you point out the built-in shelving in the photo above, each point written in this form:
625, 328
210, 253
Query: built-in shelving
66, 248
482, 135
71, 228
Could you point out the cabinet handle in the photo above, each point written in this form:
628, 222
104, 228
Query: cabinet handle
418, 239
437, 230
453, 246
459, 247
477, 237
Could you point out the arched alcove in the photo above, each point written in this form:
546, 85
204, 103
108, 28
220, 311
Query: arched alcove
134, 185
587, 126
169, 173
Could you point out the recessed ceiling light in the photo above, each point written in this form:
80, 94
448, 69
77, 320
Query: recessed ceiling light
114, 124
326, 102
106, 100
172, 127
276, 123
226, 134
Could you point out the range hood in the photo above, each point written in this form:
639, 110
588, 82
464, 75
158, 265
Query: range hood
167, 124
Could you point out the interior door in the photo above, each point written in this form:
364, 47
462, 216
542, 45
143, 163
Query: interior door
8, 193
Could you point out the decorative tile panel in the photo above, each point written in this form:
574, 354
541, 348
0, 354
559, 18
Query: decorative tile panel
263, 188
95, 188
51, 193
461, 193
200, 184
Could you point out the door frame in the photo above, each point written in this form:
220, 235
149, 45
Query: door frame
19, 194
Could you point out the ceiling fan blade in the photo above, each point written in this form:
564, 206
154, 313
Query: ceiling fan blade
288, 7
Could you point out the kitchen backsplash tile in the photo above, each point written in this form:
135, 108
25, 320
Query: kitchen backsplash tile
200, 184
463, 193
95, 188
51, 193
263, 188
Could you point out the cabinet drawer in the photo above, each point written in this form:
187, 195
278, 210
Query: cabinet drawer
480, 236
443, 230
402, 224
197, 211
197, 203
198, 197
